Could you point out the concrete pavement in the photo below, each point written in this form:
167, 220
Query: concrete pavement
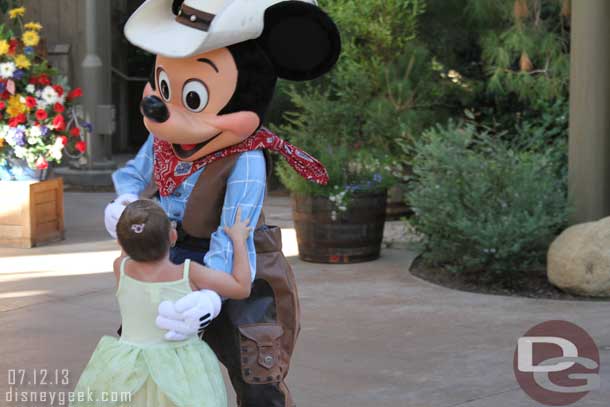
373, 335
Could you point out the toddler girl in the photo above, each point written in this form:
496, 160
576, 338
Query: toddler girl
141, 368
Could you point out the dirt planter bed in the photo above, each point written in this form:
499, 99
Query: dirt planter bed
531, 284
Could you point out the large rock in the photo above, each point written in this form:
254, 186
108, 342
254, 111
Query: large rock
579, 259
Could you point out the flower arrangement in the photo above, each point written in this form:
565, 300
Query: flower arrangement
37, 117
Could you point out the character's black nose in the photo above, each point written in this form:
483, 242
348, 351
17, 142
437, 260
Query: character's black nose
154, 109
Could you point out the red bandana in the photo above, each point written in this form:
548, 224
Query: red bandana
170, 171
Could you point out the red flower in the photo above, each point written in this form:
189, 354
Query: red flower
59, 90
64, 139
81, 146
44, 80
16, 121
30, 102
2, 105
75, 132
41, 163
41, 115
75, 93
5, 95
12, 46
59, 108
59, 123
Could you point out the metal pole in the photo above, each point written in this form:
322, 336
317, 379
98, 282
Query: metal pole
93, 77
589, 163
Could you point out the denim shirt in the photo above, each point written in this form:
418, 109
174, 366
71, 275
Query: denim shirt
245, 188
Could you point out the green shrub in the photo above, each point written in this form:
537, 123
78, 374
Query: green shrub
483, 205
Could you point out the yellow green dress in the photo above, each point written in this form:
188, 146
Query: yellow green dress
141, 369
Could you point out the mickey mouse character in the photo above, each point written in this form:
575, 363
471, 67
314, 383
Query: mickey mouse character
217, 65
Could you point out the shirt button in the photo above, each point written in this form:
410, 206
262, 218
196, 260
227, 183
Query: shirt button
177, 215
178, 194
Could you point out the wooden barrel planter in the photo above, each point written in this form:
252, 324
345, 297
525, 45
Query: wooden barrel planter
352, 236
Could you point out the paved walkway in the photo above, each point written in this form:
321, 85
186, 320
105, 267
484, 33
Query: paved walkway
373, 335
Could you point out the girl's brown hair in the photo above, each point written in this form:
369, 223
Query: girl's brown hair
143, 231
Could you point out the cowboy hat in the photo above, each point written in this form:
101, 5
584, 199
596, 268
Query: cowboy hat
180, 29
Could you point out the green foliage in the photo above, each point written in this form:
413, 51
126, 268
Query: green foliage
542, 130
482, 204
526, 51
514, 63
375, 31
546, 132
5, 5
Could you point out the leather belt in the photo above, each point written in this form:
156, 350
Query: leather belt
188, 242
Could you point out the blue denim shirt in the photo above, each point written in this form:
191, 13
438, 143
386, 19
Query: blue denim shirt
245, 188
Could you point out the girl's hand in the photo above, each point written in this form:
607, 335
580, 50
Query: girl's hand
240, 231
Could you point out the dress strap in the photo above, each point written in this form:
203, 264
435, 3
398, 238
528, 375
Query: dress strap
121, 274
187, 269
122, 268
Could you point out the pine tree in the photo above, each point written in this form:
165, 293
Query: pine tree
525, 46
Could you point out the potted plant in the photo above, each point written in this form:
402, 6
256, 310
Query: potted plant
38, 127
356, 121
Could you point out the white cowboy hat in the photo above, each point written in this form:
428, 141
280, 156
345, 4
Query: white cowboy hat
199, 25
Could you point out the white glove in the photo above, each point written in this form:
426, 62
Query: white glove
189, 316
114, 210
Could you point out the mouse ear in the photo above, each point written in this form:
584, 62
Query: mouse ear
300, 39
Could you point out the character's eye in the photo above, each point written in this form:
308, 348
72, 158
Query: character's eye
164, 85
195, 96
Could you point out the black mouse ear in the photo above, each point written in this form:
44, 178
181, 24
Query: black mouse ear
300, 39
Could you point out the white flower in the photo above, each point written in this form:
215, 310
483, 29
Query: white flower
20, 152
42, 105
33, 140
56, 151
30, 88
7, 69
49, 95
35, 131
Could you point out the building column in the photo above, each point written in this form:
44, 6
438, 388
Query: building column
96, 79
589, 146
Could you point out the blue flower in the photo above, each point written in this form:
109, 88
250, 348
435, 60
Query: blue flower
16, 136
18, 75
2, 87
28, 50
88, 126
